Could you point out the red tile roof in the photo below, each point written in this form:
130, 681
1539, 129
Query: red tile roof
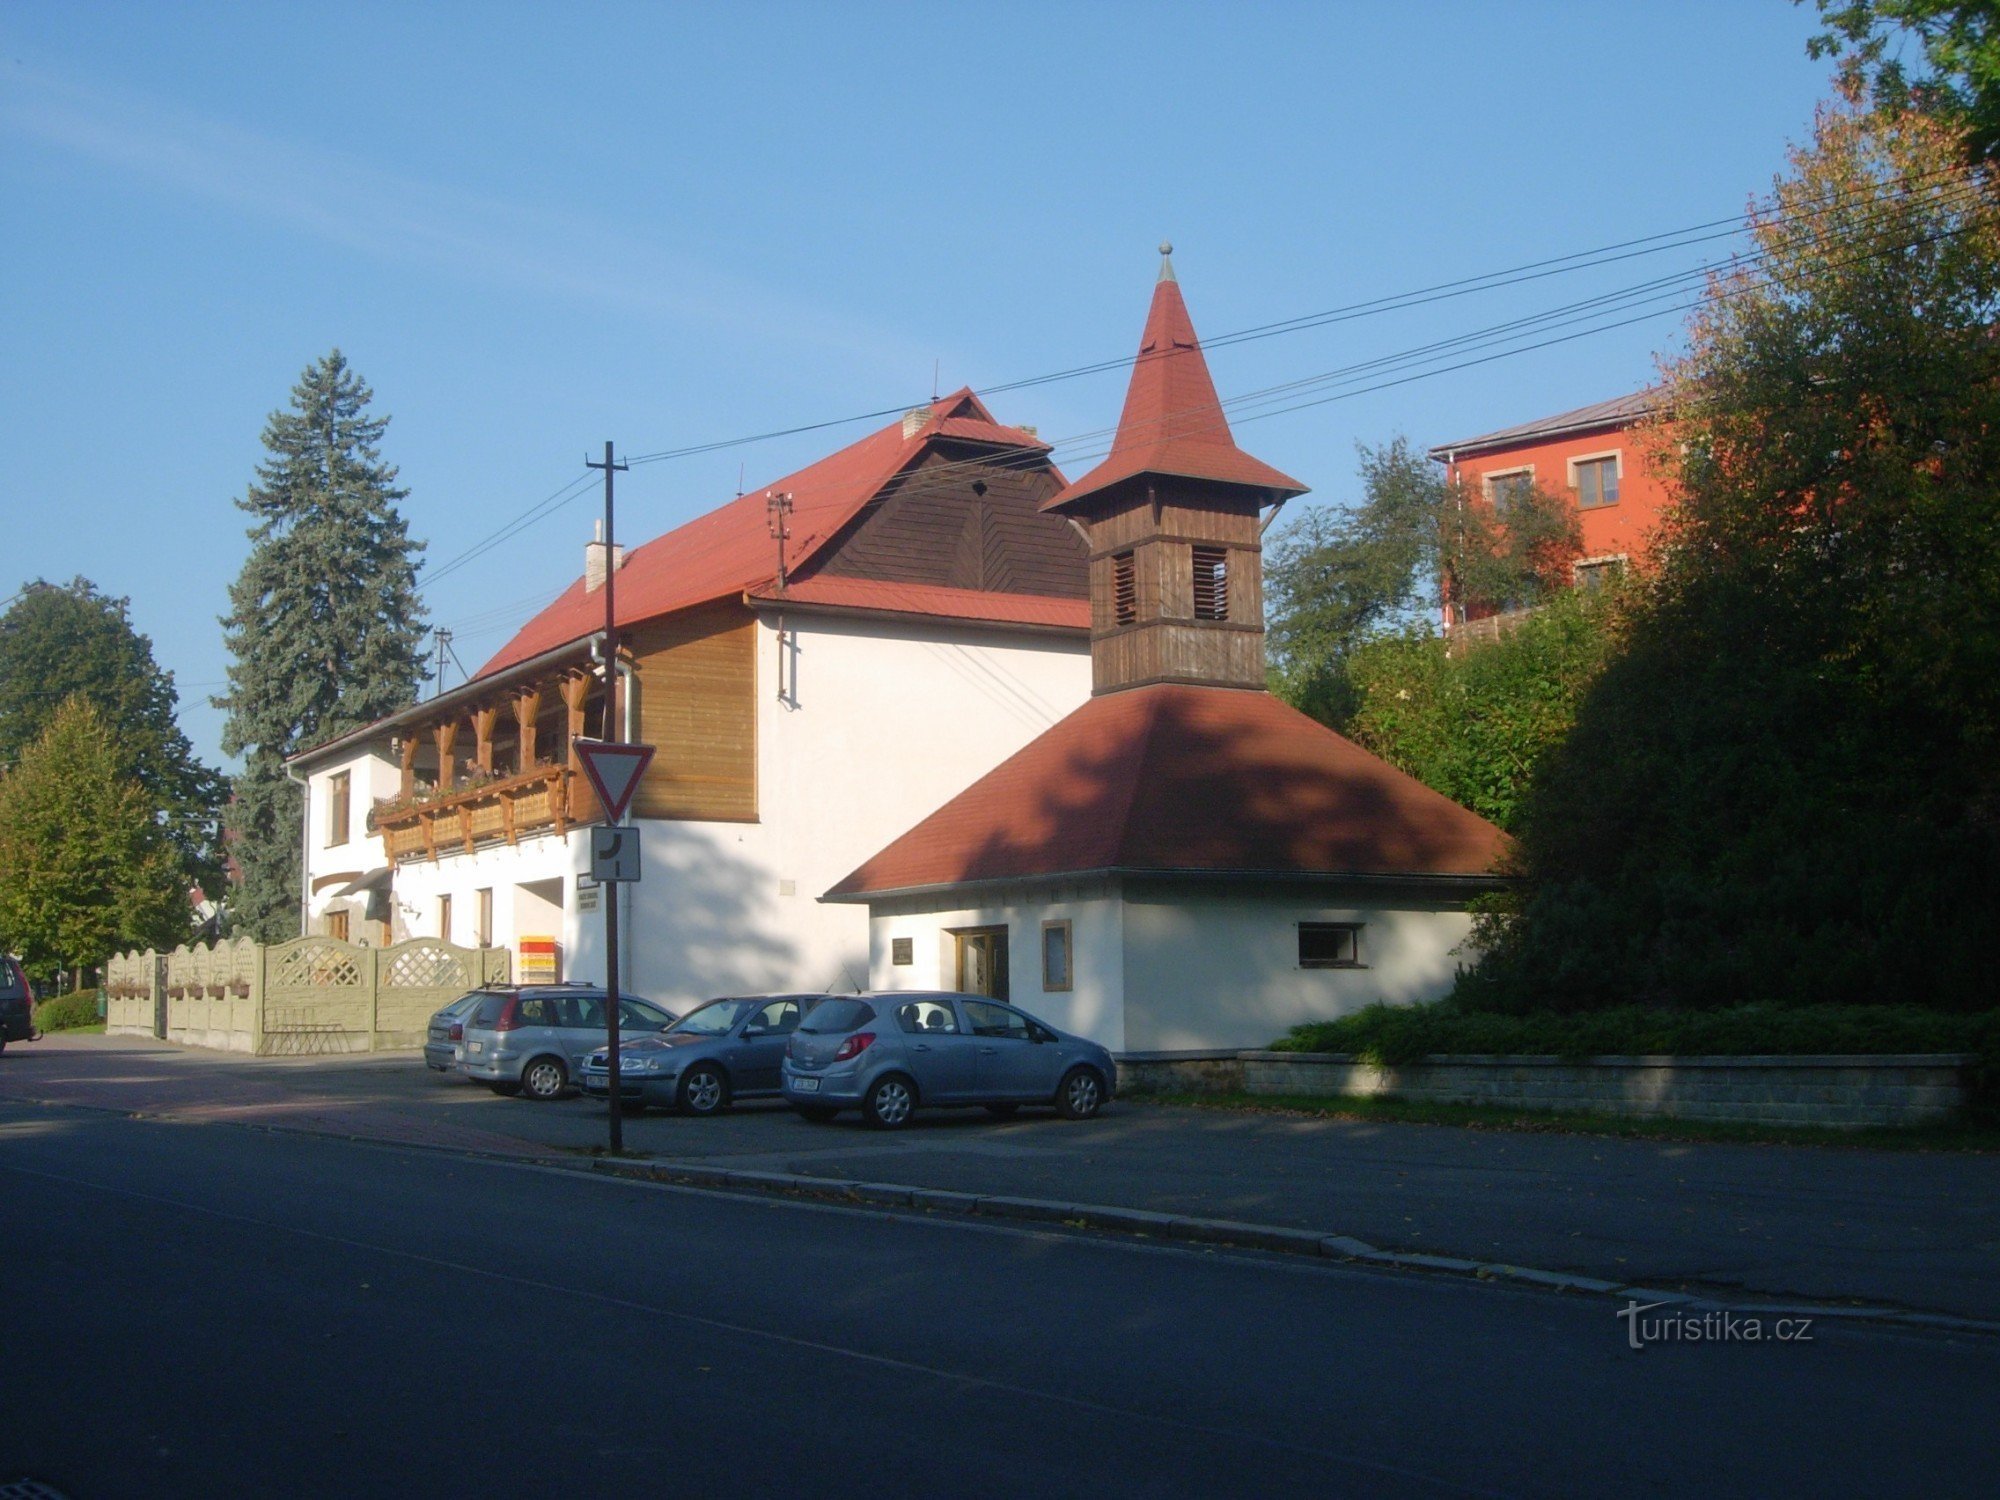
932, 600
729, 550
1173, 421
1185, 780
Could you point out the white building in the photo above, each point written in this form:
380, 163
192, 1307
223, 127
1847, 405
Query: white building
1184, 863
930, 621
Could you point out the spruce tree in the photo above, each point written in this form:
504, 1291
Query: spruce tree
325, 627
59, 642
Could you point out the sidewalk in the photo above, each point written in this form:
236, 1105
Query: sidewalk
1908, 1229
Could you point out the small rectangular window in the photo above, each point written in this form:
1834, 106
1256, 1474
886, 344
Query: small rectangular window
444, 918
482, 921
1124, 589
1329, 945
1596, 482
1595, 575
336, 925
337, 809
902, 951
1055, 955
1211, 583
1502, 490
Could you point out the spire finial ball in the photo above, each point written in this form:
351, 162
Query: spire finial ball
1166, 247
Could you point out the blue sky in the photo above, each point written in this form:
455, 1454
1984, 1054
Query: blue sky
533, 228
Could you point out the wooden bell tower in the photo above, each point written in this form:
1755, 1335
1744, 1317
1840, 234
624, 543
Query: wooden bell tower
1172, 517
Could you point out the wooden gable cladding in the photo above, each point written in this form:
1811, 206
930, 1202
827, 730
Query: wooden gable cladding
963, 521
697, 705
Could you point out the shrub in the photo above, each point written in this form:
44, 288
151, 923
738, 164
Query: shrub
68, 1012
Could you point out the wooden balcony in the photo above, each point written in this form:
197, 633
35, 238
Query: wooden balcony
548, 798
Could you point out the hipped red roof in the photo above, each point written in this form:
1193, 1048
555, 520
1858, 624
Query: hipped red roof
1173, 779
730, 550
931, 600
1173, 422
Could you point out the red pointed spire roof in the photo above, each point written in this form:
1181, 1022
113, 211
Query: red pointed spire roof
1173, 422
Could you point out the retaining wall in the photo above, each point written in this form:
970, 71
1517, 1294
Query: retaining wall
1819, 1090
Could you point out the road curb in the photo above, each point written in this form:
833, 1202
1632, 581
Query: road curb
1236, 1234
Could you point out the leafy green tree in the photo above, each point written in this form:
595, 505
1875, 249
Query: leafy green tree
1958, 81
325, 628
86, 868
1781, 788
72, 641
1337, 578
1476, 723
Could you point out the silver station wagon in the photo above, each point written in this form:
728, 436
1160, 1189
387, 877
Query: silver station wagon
532, 1039
888, 1052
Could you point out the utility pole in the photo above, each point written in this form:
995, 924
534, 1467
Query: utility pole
611, 733
443, 645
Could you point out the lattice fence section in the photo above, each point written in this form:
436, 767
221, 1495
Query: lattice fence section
316, 964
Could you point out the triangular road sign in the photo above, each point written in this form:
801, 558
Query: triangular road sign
614, 772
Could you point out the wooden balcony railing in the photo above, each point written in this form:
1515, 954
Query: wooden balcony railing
548, 797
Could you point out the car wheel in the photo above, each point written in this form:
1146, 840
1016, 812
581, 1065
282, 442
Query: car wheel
1080, 1095
890, 1102
544, 1078
819, 1114
704, 1091
1003, 1111
505, 1090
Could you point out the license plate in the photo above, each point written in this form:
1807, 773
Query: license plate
806, 1085
476, 1047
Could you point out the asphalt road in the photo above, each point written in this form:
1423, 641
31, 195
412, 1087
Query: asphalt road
1917, 1230
201, 1309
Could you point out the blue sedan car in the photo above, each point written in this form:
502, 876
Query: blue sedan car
718, 1052
888, 1052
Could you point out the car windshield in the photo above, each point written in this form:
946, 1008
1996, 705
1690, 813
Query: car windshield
717, 1018
644, 1015
835, 1017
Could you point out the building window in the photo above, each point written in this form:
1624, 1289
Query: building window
902, 952
1502, 490
444, 918
1330, 945
1211, 583
1595, 481
336, 925
482, 918
337, 811
1598, 572
1124, 589
982, 961
1055, 956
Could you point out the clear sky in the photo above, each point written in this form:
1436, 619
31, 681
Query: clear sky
533, 228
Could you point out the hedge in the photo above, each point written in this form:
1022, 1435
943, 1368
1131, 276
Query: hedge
68, 1012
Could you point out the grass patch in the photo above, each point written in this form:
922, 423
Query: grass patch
1942, 1137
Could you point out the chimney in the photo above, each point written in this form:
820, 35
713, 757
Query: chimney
914, 419
593, 560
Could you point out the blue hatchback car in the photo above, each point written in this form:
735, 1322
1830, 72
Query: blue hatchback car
890, 1051
722, 1051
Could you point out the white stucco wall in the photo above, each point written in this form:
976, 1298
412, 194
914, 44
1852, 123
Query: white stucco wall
1094, 1004
883, 723
1167, 970
328, 866
1205, 971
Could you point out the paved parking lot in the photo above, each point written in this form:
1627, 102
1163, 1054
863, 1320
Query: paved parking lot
1913, 1229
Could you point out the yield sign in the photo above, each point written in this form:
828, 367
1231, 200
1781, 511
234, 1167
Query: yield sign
614, 772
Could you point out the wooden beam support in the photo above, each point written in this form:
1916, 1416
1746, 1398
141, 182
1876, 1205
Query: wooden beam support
446, 733
527, 716
482, 737
409, 766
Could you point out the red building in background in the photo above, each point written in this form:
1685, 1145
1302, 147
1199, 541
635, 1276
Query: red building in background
1593, 455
